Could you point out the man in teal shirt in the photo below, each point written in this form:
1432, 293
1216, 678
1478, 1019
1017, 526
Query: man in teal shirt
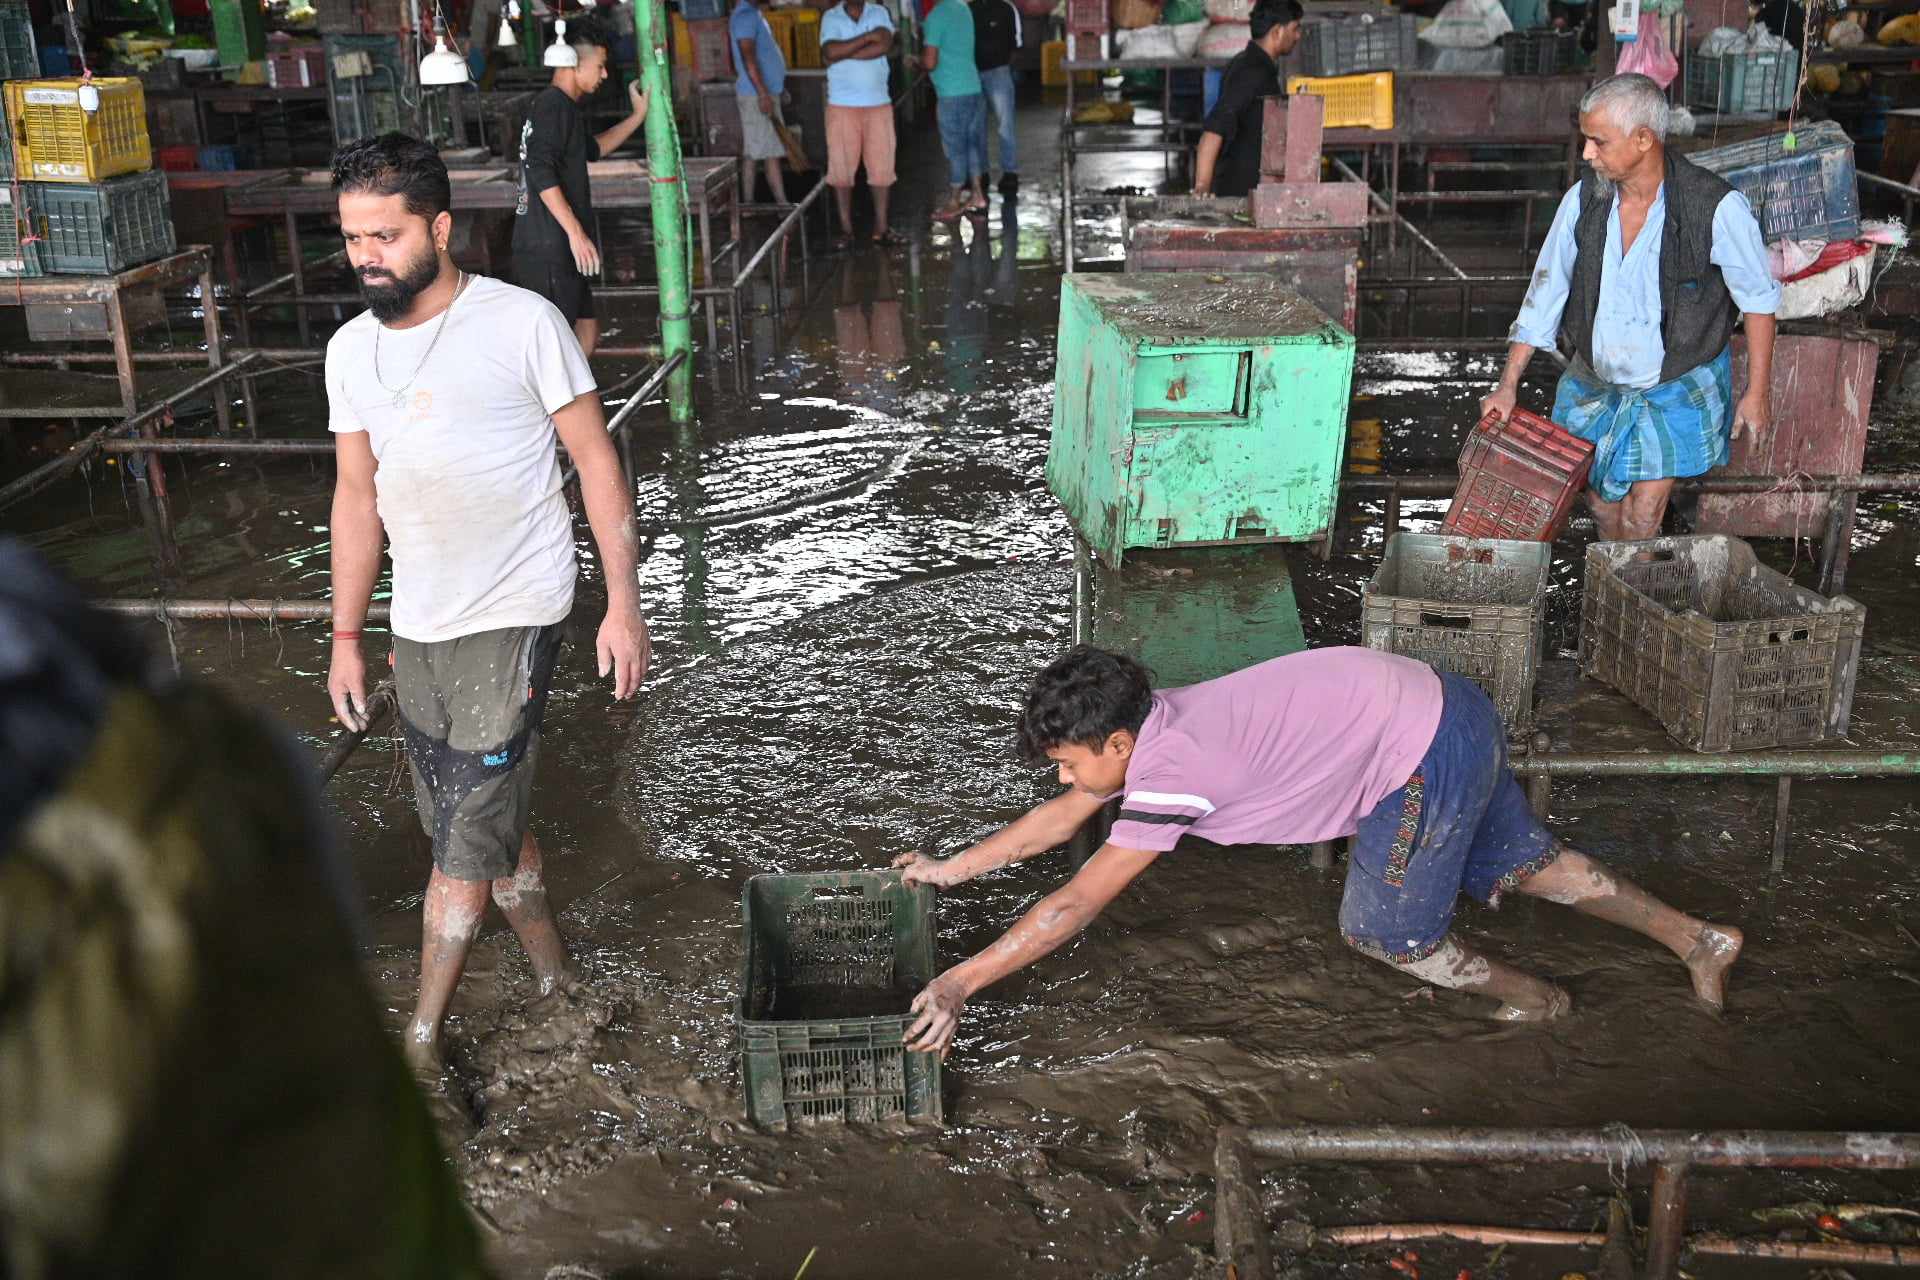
948, 58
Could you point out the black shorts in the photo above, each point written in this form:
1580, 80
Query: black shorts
558, 281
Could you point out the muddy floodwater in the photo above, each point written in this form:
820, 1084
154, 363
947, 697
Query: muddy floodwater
853, 569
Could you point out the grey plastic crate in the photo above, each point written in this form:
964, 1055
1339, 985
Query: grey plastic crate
18, 260
1728, 654
1469, 606
19, 57
1809, 193
98, 228
1743, 83
1346, 46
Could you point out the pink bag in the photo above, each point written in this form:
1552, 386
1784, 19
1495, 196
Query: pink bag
1649, 54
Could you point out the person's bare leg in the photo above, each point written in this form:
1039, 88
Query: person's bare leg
843, 201
1644, 508
880, 195
522, 898
450, 922
1708, 950
776, 181
588, 332
1457, 967
1606, 517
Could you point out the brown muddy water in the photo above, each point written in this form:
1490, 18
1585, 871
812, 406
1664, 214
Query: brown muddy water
858, 568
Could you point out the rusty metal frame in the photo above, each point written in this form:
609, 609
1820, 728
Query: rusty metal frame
1240, 1234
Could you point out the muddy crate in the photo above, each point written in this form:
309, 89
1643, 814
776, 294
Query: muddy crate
1518, 479
832, 962
1726, 653
1470, 606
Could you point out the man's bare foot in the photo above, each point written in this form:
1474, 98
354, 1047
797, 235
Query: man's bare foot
1712, 955
1557, 1004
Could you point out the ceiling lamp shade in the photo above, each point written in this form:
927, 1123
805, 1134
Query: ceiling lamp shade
443, 66
560, 53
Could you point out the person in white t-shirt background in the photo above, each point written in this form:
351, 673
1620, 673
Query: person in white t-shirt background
446, 396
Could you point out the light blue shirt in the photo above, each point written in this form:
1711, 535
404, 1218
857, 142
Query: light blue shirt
748, 23
856, 82
1627, 348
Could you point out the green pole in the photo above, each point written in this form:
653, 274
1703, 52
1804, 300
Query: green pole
530, 48
669, 204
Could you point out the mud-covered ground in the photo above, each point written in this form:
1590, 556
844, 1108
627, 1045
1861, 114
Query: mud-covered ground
856, 569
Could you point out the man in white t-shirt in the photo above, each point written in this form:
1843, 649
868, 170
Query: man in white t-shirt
445, 397
855, 38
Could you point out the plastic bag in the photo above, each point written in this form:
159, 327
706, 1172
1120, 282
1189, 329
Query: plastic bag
1146, 42
1224, 39
1235, 11
1722, 40
1680, 123
1187, 37
1649, 55
1846, 34
1468, 24
1761, 40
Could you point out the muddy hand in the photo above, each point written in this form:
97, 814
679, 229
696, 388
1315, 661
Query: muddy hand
623, 648
1751, 418
918, 868
1500, 404
938, 1009
347, 685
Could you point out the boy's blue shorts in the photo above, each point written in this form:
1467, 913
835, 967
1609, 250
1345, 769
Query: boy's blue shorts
1460, 824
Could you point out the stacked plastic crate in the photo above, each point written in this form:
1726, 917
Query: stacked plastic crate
18, 59
85, 197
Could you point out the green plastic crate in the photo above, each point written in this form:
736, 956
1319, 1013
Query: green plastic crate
19, 58
20, 256
239, 31
1743, 83
1196, 410
97, 229
833, 960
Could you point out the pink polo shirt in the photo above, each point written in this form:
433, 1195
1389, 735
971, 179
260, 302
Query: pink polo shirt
1294, 750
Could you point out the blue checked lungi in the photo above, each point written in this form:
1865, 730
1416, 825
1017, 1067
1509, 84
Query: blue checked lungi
1677, 428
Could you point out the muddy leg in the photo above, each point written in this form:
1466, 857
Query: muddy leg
522, 898
1708, 950
451, 921
1523, 997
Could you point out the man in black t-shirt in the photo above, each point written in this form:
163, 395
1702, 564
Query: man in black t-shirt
1228, 159
996, 34
553, 248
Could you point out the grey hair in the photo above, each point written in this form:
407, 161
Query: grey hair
1632, 102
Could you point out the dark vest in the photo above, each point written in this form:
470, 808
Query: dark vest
1697, 314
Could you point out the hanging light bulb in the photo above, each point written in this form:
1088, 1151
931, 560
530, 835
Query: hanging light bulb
560, 53
507, 19
443, 66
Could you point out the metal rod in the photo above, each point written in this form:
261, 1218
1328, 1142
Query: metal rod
1320, 855
1082, 590
1239, 1225
237, 609
1373, 196
1782, 821
1540, 786
1654, 764
618, 423
1442, 484
1666, 1220
214, 444
780, 232
380, 705
1749, 1148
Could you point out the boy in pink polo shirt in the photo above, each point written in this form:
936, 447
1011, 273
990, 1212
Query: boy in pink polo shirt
1309, 747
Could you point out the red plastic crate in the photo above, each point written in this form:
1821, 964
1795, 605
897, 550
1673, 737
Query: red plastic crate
1089, 16
1518, 479
712, 49
179, 159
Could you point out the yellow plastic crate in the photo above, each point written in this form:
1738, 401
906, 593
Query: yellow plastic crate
806, 39
1353, 102
1052, 54
55, 141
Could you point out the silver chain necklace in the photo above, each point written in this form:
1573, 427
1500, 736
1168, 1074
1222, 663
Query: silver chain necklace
399, 395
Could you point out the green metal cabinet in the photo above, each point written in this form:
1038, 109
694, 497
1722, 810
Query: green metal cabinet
1196, 410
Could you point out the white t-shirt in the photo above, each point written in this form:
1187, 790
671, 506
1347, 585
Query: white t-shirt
469, 478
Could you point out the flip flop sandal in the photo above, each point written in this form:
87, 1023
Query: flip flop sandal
887, 239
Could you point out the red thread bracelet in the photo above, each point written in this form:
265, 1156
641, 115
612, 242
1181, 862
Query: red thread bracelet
346, 635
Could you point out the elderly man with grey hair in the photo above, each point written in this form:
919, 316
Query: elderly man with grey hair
1648, 264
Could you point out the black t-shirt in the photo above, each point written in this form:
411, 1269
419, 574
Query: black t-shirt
996, 30
1237, 117
555, 149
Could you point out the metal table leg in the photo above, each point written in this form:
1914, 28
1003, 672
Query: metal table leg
210, 313
299, 278
713, 268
